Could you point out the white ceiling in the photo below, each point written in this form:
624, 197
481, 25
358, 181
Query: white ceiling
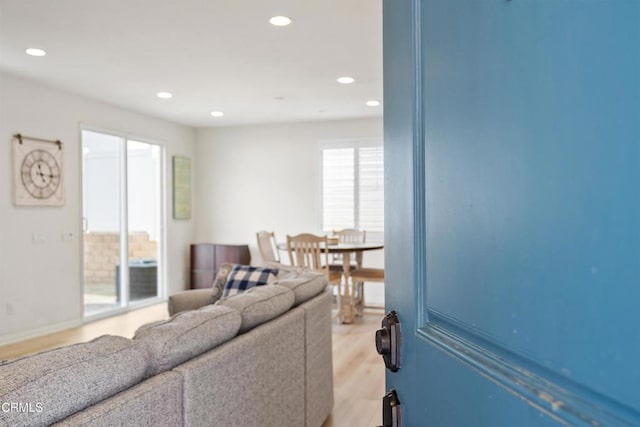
212, 55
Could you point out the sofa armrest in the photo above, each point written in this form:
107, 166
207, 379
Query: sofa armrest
189, 300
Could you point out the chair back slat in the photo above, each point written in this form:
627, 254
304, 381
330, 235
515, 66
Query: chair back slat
351, 235
308, 250
267, 246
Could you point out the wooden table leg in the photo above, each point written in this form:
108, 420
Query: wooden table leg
358, 289
345, 310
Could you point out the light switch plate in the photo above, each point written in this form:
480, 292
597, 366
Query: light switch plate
38, 238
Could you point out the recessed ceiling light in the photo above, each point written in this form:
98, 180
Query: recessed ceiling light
217, 113
346, 80
35, 52
164, 95
280, 21
373, 103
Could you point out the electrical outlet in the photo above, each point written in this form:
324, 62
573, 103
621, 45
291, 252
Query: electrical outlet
38, 238
9, 308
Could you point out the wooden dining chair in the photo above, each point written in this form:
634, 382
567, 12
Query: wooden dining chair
351, 235
348, 235
267, 246
358, 277
358, 274
311, 252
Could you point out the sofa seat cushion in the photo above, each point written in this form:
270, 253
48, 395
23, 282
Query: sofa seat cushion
63, 381
245, 277
304, 284
187, 335
259, 304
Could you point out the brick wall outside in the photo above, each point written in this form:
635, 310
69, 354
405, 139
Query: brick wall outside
101, 254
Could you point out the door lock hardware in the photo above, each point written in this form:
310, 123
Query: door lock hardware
391, 410
388, 341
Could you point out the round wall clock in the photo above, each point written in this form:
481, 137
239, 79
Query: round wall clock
38, 173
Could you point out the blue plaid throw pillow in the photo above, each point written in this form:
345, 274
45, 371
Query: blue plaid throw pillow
245, 277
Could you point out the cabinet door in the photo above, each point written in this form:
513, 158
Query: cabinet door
202, 256
202, 265
206, 259
237, 254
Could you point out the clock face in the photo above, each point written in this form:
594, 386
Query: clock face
40, 174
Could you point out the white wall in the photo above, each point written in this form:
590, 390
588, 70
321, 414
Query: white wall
268, 177
42, 282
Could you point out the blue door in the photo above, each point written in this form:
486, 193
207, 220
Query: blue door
512, 144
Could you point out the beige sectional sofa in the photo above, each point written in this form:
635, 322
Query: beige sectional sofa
261, 358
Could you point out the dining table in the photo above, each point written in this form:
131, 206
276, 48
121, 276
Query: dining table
346, 298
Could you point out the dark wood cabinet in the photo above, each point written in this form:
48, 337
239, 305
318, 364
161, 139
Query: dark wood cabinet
206, 259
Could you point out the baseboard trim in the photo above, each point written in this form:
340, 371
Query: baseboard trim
37, 332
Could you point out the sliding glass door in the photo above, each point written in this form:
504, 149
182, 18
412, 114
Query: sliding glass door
122, 222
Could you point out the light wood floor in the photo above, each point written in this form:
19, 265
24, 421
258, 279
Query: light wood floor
124, 325
358, 371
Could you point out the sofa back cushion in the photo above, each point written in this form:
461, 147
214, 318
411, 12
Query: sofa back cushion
187, 335
57, 383
255, 380
304, 284
259, 304
156, 402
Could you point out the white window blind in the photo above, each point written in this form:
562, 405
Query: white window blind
371, 189
353, 188
338, 187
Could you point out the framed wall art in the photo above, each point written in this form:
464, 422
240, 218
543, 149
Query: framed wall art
38, 172
181, 187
